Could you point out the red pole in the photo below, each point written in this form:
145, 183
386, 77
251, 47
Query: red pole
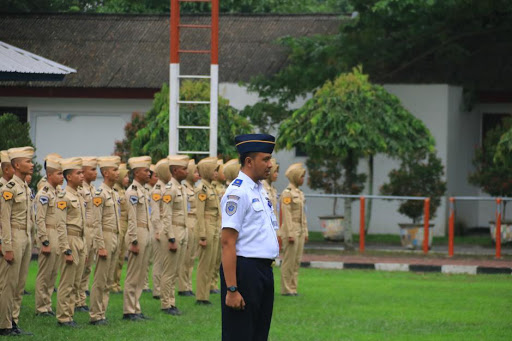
498, 228
215, 33
426, 224
451, 228
175, 32
361, 223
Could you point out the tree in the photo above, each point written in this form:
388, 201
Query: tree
347, 120
152, 138
17, 134
123, 148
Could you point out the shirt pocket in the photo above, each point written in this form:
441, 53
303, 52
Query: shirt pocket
257, 206
22, 198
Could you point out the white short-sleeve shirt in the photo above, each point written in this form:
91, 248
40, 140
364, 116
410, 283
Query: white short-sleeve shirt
246, 207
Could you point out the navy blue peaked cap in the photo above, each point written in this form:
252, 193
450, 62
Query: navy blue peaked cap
262, 143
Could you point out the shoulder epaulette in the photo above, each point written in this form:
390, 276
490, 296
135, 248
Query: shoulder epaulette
1, 184
205, 188
45, 188
98, 191
10, 184
115, 189
237, 182
288, 189
168, 186
157, 186
134, 187
61, 194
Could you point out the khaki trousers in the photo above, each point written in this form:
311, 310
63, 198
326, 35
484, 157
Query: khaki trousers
11, 276
22, 278
151, 257
214, 284
86, 276
157, 265
292, 254
70, 279
187, 267
118, 268
204, 268
100, 292
47, 274
170, 267
136, 271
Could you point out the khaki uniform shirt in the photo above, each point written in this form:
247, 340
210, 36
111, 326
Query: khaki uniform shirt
70, 215
294, 222
190, 192
156, 205
124, 208
220, 188
16, 210
138, 209
105, 212
175, 208
86, 191
208, 209
45, 211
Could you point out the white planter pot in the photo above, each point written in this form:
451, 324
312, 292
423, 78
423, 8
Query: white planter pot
333, 227
411, 235
506, 231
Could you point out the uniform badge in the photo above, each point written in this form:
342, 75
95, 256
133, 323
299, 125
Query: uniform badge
134, 199
7, 195
156, 196
287, 200
167, 198
43, 200
157, 186
231, 207
237, 182
10, 184
202, 196
97, 201
62, 205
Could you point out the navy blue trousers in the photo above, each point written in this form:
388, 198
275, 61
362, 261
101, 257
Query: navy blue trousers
255, 281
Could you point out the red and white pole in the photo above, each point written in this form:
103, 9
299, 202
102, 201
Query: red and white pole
498, 228
174, 81
451, 227
426, 223
361, 223
214, 80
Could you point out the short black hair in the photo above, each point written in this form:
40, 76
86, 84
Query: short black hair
66, 172
245, 156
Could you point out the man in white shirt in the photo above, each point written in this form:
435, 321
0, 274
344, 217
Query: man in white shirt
249, 244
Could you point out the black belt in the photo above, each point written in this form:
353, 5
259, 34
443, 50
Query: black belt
263, 261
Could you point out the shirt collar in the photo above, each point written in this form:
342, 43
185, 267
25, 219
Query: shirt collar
17, 179
250, 182
106, 187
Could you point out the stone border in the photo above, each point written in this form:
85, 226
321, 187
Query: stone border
404, 267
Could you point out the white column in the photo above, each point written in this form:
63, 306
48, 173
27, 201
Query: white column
174, 108
214, 108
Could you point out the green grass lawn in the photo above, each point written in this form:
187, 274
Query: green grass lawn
333, 305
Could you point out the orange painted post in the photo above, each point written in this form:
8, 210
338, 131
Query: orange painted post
426, 217
498, 228
361, 223
175, 32
451, 228
215, 33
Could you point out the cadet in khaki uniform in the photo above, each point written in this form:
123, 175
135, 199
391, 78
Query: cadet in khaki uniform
7, 174
16, 217
268, 185
120, 186
137, 238
71, 224
173, 239
156, 204
89, 164
208, 225
294, 229
44, 180
219, 184
46, 224
185, 271
105, 211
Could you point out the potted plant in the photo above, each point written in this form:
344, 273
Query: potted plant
346, 121
492, 172
416, 176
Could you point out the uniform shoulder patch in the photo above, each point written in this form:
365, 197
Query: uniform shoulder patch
287, 200
237, 182
97, 201
134, 199
43, 200
156, 196
7, 195
62, 205
10, 184
167, 198
231, 207
233, 197
202, 196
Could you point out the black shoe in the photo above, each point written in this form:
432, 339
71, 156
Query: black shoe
54, 289
87, 293
18, 331
99, 322
132, 317
156, 297
191, 293
25, 292
71, 324
203, 302
46, 313
185, 293
147, 290
82, 309
215, 291
144, 317
172, 311
8, 332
